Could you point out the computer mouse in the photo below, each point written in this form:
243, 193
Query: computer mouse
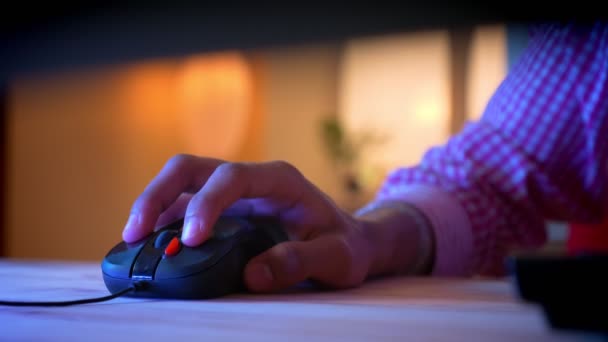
166, 268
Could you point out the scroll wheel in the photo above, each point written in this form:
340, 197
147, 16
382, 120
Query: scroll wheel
163, 239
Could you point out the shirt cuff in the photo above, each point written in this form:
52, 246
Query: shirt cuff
450, 224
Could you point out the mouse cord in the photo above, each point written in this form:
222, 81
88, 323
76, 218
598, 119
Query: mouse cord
133, 287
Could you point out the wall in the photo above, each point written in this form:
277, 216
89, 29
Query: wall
300, 88
398, 86
82, 146
78, 157
488, 63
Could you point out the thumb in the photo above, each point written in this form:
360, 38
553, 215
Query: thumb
328, 259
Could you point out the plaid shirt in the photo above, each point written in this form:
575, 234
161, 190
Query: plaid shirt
538, 152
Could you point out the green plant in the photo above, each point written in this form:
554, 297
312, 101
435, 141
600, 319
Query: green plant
345, 148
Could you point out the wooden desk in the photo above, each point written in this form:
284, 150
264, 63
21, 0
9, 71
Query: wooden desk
411, 309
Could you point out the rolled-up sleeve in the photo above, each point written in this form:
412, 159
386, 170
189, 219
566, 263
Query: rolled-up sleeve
539, 151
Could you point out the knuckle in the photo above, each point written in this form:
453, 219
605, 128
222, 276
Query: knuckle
180, 160
285, 165
288, 169
232, 170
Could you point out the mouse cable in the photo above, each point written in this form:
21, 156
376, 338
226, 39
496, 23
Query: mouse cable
133, 287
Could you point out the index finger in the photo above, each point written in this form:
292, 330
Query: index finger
181, 174
231, 182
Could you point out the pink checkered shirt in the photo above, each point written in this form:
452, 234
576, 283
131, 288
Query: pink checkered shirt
539, 152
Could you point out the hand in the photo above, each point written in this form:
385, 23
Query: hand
326, 244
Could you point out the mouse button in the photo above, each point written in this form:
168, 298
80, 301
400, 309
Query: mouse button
192, 260
164, 237
173, 247
146, 261
119, 260
227, 227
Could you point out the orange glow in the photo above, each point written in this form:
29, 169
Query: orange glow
149, 96
214, 100
397, 86
201, 103
99, 136
488, 67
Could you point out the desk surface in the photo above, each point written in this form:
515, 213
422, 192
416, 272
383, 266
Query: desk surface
389, 309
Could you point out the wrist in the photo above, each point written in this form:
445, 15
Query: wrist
400, 236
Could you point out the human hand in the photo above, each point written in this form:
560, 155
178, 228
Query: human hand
326, 244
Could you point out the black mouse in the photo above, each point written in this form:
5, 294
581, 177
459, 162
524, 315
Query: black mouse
165, 268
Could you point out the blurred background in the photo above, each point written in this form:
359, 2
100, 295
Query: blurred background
96, 100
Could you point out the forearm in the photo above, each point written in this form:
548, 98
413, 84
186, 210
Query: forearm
401, 237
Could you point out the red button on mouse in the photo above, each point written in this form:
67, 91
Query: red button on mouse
173, 247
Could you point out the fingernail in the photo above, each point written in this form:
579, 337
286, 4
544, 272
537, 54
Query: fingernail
132, 222
192, 227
